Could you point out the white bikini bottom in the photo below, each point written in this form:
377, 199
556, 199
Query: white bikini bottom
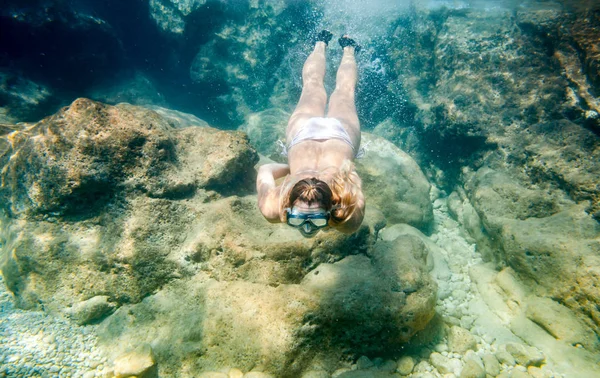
321, 128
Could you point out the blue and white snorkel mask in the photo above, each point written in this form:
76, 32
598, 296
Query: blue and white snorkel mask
307, 223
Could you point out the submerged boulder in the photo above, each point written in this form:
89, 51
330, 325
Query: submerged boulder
394, 183
264, 129
82, 191
124, 209
550, 241
507, 106
79, 158
357, 305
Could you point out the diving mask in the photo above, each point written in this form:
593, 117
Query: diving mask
307, 222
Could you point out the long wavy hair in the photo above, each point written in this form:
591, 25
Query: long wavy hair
338, 196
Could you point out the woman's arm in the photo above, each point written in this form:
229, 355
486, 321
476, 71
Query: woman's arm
268, 196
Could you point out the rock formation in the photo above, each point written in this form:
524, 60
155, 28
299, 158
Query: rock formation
507, 117
119, 207
144, 219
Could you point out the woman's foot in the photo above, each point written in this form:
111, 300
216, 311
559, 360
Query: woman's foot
324, 36
346, 41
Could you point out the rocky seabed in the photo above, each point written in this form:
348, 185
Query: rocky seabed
38, 344
34, 344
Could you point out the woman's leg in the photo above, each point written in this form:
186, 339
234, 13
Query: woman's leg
341, 103
313, 98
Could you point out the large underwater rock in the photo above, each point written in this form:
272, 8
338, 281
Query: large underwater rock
125, 209
474, 77
92, 180
507, 109
394, 183
481, 79
359, 304
548, 239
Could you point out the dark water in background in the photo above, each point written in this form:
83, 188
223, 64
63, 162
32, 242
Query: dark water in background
83, 48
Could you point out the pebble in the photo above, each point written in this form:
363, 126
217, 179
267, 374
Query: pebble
536, 372
341, 371
423, 366
443, 364
505, 358
212, 374
137, 363
406, 365
470, 355
525, 355
519, 374
388, 366
472, 370
37, 344
460, 340
235, 373
257, 374
363, 363
492, 366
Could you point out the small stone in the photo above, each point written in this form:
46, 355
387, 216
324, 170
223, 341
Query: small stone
363, 363
139, 363
235, 373
388, 366
316, 374
525, 355
521, 368
424, 353
14, 358
491, 364
505, 358
470, 355
339, 372
212, 374
257, 374
519, 374
460, 340
49, 339
425, 375
90, 310
472, 370
406, 365
423, 366
536, 372
94, 364
442, 364
89, 374
440, 348
467, 321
